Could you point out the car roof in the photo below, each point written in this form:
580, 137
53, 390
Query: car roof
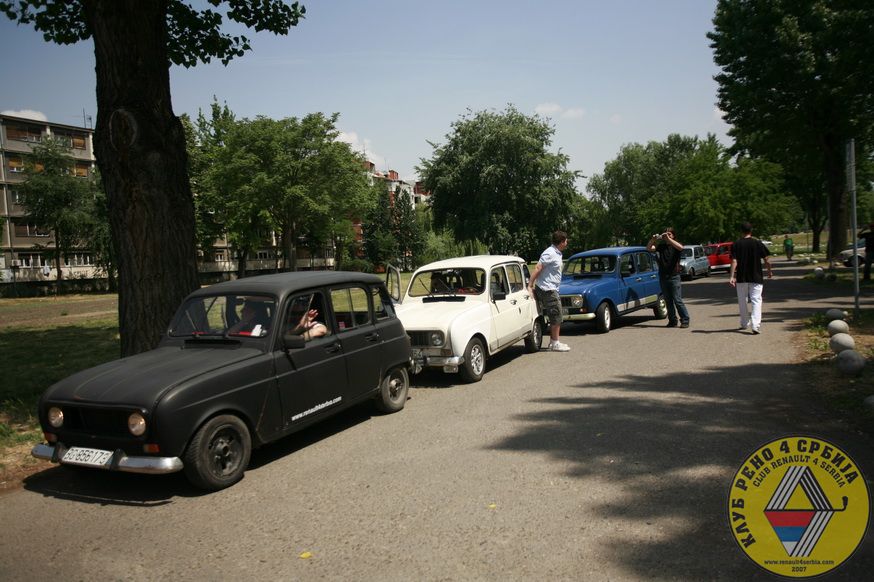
476, 261
719, 244
690, 246
280, 284
612, 251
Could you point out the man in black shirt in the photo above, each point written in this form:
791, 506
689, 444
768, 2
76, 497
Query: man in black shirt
747, 254
668, 252
868, 235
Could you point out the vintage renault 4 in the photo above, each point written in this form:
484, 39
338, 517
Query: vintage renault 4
603, 283
460, 311
243, 363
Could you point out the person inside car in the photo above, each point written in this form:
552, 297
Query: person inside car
254, 319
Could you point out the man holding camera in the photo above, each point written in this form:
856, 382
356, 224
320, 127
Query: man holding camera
668, 252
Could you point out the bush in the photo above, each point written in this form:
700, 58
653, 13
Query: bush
360, 265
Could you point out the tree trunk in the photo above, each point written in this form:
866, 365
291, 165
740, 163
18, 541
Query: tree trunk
837, 199
242, 262
140, 150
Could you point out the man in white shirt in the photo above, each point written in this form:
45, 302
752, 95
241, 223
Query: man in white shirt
547, 276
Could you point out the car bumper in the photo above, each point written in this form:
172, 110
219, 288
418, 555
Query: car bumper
421, 361
120, 461
577, 316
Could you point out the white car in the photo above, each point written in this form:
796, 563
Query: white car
459, 312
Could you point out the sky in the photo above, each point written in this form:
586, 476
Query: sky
400, 72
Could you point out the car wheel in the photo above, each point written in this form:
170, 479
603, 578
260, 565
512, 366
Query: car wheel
660, 311
707, 272
603, 317
393, 391
474, 365
218, 454
691, 274
535, 338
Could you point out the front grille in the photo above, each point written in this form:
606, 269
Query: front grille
96, 421
419, 338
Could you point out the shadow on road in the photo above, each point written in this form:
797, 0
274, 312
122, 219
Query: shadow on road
674, 490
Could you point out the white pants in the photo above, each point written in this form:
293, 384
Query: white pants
753, 292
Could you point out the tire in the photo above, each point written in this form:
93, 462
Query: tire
393, 391
474, 365
707, 272
660, 311
218, 454
603, 317
535, 338
691, 274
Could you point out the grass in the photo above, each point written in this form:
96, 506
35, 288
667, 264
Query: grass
40, 345
843, 396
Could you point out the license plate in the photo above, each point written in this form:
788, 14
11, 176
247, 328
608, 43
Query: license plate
88, 457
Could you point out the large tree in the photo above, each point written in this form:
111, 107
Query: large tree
797, 82
139, 142
55, 198
495, 180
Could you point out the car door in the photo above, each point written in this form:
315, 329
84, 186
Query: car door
648, 271
359, 338
504, 312
633, 284
311, 380
393, 341
520, 298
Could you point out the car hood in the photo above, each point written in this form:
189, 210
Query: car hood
569, 285
437, 315
140, 380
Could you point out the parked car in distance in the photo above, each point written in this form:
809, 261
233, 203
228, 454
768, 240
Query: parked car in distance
459, 312
235, 370
604, 283
719, 255
694, 262
849, 259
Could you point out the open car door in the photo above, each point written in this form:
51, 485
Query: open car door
393, 282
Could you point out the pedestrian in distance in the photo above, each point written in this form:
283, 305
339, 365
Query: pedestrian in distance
747, 255
868, 234
788, 247
668, 253
544, 285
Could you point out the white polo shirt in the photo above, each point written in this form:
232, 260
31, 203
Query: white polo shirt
550, 276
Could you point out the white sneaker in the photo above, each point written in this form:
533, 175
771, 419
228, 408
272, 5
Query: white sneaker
757, 330
559, 347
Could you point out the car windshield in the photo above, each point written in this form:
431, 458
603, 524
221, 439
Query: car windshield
709, 250
596, 265
448, 282
225, 315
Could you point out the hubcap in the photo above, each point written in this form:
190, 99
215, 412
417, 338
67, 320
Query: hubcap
607, 318
225, 452
476, 360
394, 387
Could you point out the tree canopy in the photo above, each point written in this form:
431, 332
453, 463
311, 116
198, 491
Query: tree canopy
797, 82
139, 143
495, 180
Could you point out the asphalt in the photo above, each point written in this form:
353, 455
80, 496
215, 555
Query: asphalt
612, 462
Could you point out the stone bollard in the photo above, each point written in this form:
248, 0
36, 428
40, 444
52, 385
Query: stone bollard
837, 326
850, 362
818, 273
833, 314
840, 342
869, 403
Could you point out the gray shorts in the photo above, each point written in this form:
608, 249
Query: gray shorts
549, 303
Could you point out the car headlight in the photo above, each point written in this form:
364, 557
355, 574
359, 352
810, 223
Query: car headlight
56, 417
577, 301
136, 424
437, 338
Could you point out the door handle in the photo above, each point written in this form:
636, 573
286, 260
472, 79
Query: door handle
333, 348
512, 302
372, 336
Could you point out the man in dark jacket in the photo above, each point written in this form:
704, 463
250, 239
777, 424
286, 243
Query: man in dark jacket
747, 254
868, 235
668, 251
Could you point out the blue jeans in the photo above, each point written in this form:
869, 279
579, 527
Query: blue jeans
674, 299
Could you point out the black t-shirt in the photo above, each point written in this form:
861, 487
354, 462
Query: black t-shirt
668, 259
869, 240
749, 253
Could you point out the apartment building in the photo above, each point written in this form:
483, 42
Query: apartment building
21, 247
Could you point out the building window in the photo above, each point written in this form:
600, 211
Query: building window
80, 170
71, 140
219, 256
78, 260
31, 260
23, 133
264, 255
15, 196
15, 164
26, 229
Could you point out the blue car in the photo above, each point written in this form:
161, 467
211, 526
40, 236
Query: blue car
604, 283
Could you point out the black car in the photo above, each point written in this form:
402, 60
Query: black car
243, 363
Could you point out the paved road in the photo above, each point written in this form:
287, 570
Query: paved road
610, 462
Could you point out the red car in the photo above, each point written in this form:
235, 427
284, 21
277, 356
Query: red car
719, 255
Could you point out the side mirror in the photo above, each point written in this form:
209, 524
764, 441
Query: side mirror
293, 341
499, 296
